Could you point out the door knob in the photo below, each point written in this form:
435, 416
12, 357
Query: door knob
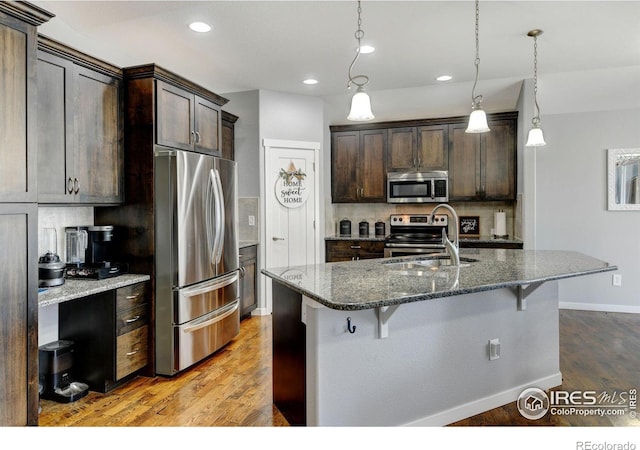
277, 238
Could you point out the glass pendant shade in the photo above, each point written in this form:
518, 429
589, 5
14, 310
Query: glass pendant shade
477, 121
360, 106
535, 139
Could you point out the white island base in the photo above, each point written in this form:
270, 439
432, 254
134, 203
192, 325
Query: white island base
434, 366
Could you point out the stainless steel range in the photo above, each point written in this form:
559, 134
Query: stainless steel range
414, 234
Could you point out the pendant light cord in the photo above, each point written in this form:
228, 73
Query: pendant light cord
359, 34
476, 99
536, 118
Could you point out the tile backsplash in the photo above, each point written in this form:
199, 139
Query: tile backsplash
371, 212
247, 227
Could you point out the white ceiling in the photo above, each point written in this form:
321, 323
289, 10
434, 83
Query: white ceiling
274, 45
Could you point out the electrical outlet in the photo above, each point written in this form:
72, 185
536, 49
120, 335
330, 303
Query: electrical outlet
617, 279
252, 221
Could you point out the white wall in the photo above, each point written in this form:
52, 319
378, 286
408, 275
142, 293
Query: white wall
245, 105
571, 190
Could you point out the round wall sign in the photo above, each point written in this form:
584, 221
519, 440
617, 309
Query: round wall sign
290, 188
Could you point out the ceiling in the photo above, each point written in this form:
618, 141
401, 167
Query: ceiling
274, 45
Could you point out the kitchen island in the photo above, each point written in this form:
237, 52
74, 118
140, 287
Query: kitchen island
406, 341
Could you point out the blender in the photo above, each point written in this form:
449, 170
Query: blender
50, 268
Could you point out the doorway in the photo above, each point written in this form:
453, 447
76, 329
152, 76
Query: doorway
290, 207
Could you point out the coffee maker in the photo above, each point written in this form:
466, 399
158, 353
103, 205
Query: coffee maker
56, 373
89, 253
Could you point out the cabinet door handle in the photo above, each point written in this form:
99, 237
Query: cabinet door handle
133, 319
70, 185
197, 137
76, 186
193, 136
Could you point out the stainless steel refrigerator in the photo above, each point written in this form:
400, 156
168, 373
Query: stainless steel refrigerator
197, 296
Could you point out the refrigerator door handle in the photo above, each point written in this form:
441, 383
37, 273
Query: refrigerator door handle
219, 217
208, 320
209, 286
209, 212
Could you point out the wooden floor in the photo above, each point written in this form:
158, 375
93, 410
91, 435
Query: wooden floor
599, 351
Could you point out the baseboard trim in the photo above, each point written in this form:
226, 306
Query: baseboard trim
260, 312
485, 404
601, 307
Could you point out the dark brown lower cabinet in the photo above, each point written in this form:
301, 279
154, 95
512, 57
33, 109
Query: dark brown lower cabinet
110, 335
18, 314
343, 250
248, 280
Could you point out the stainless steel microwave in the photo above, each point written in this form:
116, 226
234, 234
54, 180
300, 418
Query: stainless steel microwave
418, 187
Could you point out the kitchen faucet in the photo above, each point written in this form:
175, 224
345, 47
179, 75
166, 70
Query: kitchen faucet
453, 248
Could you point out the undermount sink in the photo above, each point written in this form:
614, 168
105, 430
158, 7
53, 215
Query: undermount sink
433, 263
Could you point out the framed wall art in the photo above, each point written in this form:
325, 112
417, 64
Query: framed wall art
469, 226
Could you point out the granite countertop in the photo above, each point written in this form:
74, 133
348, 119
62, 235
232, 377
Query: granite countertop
366, 284
73, 289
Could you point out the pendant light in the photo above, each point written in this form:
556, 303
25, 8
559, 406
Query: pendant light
477, 118
535, 138
360, 103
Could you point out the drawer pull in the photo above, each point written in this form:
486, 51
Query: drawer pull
356, 247
131, 297
133, 319
135, 350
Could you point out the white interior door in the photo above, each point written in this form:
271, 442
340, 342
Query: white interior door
291, 206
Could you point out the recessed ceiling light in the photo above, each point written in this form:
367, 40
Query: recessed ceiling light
364, 49
444, 78
200, 27
310, 81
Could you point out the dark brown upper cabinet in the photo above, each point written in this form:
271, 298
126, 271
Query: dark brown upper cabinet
17, 98
80, 132
419, 148
358, 166
187, 121
228, 135
483, 166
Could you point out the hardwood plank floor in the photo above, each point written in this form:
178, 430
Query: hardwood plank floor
598, 351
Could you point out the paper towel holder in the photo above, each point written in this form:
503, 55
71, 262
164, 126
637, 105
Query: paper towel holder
500, 232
